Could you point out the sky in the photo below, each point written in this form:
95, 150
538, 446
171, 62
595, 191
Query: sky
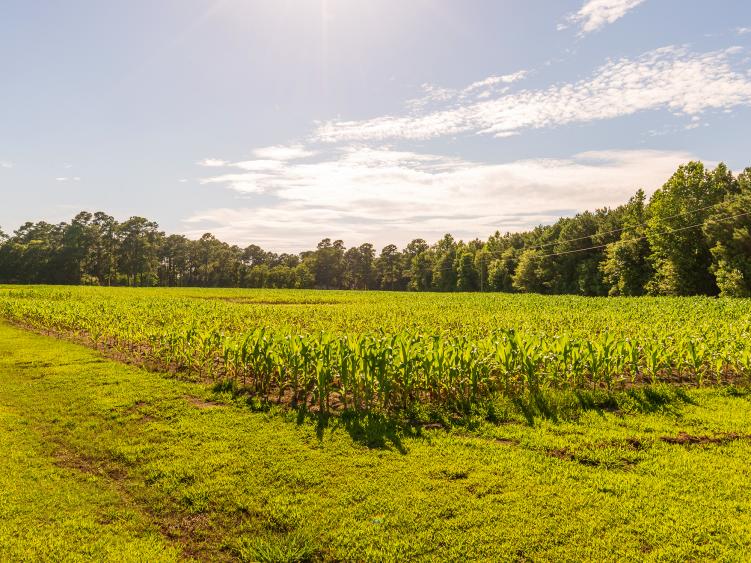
281, 122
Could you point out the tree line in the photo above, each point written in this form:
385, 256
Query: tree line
692, 237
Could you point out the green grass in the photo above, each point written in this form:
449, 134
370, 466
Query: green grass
54, 506
105, 461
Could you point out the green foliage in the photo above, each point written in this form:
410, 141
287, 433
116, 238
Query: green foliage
391, 352
390, 268
530, 275
731, 281
626, 267
444, 272
728, 233
467, 278
499, 275
680, 254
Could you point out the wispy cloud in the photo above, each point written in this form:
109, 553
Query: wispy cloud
269, 156
742, 30
481, 89
493, 80
596, 14
671, 78
283, 152
6, 164
68, 178
213, 162
383, 195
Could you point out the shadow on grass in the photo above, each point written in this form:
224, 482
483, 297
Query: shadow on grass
535, 405
372, 430
657, 399
557, 405
388, 430
376, 430
738, 392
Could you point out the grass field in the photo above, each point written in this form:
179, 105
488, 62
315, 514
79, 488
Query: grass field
107, 461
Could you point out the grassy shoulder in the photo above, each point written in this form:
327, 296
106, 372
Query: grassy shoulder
101, 460
52, 508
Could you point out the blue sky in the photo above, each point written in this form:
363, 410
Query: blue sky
281, 122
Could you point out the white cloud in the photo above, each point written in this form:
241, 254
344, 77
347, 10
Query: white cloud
596, 14
213, 162
481, 89
283, 152
183, 180
494, 80
671, 78
432, 94
62, 179
6, 164
381, 195
259, 165
742, 30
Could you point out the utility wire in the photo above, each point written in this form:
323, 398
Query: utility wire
666, 232
599, 246
538, 246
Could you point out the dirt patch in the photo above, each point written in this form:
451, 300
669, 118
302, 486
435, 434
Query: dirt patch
506, 441
632, 443
187, 524
194, 533
686, 439
202, 403
84, 464
135, 409
635, 443
566, 454
490, 440
455, 474
561, 453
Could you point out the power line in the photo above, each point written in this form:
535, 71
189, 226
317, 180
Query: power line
667, 232
621, 229
600, 246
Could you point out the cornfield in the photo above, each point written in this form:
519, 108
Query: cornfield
384, 352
